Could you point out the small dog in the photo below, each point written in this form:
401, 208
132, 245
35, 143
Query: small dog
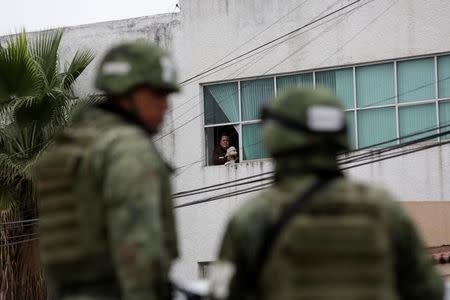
231, 155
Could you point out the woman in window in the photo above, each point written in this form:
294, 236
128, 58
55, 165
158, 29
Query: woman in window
220, 151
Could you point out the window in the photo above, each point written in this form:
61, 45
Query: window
444, 118
375, 85
340, 82
416, 80
300, 80
444, 76
221, 103
376, 126
383, 102
255, 94
234, 108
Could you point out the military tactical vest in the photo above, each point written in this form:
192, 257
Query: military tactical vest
73, 237
337, 248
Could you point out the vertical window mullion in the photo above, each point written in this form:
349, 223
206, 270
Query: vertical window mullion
275, 86
241, 146
436, 96
241, 140
397, 121
205, 140
314, 80
355, 110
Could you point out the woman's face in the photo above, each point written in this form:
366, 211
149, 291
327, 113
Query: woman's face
224, 142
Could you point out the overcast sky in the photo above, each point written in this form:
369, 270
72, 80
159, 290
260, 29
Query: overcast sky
44, 14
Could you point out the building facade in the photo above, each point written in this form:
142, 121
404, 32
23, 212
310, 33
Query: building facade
388, 60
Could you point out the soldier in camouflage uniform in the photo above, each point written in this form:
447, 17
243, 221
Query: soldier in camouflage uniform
315, 235
106, 220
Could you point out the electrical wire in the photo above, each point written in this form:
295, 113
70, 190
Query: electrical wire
243, 68
366, 107
239, 182
393, 147
362, 30
267, 184
250, 190
245, 43
19, 222
434, 145
271, 42
220, 187
21, 236
19, 242
230, 194
265, 51
383, 158
340, 160
26, 226
262, 186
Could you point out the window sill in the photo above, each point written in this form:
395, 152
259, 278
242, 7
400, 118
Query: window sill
243, 163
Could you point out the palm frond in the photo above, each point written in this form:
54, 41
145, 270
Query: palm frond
18, 71
6, 112
90, 100
79, 63
8, 199
43, 109
84, 103
44, 49
9, 171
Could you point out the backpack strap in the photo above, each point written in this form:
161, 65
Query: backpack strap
273, 231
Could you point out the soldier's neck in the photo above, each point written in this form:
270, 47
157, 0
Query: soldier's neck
315, 165
131, 118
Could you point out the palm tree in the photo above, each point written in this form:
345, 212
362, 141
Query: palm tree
36, 98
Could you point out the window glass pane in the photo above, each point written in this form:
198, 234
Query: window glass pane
221, 103
350, 119
444, 76
415, 80
417, 118
339, 82
444, 118
376, 126
375, 85
252, 142
298, 80
255, 94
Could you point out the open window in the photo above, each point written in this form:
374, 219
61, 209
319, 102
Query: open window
234, 108
213, 135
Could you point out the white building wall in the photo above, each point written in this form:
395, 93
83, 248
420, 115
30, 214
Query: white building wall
99, 37
208, 32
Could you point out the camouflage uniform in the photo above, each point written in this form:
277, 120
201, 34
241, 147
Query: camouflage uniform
106, 218
381, 257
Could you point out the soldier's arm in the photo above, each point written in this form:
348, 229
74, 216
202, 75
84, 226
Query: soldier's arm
131, 190
231, 252
416, 278
241, 244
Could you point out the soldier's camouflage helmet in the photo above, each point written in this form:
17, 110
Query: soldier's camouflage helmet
134, 64
302, 121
